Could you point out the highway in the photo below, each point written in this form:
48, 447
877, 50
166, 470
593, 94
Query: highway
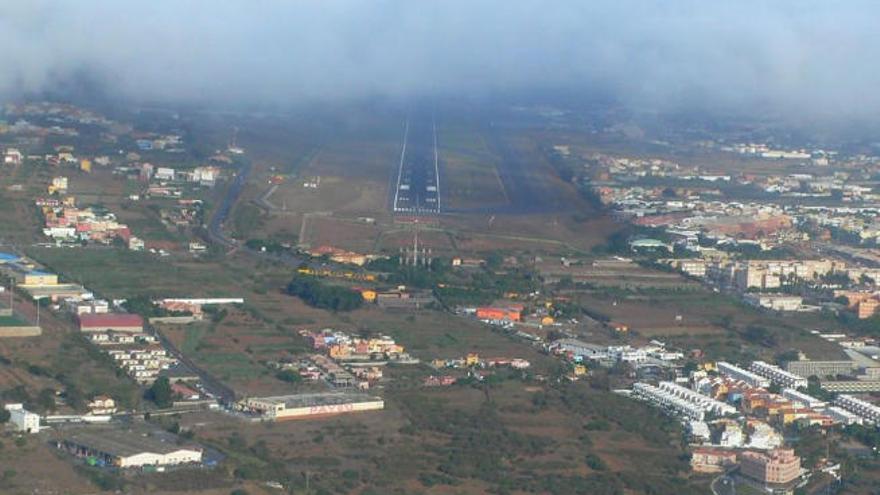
417, 188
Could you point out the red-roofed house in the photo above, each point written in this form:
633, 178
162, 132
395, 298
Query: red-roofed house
117, 322
185, 392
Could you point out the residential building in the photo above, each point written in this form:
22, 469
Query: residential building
778, 375
23, 420
707, 460
805, 399
738, 373
864, 409
850, 386
670, 399
777, 467
101, 405
840, 415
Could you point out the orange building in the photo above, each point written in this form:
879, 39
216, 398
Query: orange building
864, 303
866, 308
503, 314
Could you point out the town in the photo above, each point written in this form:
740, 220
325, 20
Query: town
593, 249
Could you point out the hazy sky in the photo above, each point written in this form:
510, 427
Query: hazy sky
816, 57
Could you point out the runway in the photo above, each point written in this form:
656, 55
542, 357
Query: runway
417, 188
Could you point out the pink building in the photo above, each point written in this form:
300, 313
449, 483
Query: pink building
776, 467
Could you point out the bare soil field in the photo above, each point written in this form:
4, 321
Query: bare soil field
336, 194
554, 233
38, 468
712, 322
439, 241
343, 233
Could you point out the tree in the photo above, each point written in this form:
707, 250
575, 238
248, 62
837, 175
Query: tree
289, 376
46, 400
323, 296
160, 392
4, 416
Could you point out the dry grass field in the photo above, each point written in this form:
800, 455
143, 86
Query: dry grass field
470, 176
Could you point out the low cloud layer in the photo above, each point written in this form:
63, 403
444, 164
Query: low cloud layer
797, 56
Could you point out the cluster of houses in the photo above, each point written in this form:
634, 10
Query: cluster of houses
149, 141
203, 175
475, 367
473, 360
348, 361
66, 223
578, 351
736, 415
342, 346
122, 337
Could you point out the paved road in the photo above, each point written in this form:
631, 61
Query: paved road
215, 232
233, 193
723, 485
209, 382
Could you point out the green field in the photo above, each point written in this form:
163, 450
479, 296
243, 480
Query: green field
12, 321
123, 273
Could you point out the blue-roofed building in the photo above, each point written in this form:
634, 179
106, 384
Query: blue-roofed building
8, 258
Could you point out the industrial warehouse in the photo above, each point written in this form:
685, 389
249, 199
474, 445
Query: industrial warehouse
282, 407
127, 449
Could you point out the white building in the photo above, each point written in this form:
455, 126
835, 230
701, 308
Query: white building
804, 399
125, 449
738, 373
778, 375
843, 416
12, 157
867, 411
711, 405
164, 173
732, 436
775, 302
699, 430
102, 404
22, 419
307, 405
680, 401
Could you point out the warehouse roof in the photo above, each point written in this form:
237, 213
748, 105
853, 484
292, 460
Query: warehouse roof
123, 443
8, 258
110, 320
325, 399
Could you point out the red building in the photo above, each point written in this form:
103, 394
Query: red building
117, 322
